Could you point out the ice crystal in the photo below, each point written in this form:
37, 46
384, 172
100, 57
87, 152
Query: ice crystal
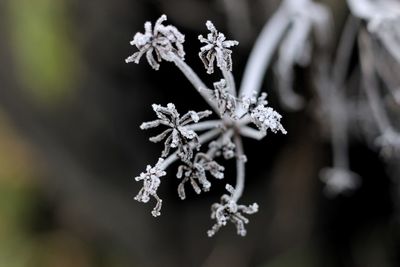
229, 210
216, 48
196, 172
161, 40
151, 182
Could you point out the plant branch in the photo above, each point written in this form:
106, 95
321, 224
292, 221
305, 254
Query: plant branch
195, 80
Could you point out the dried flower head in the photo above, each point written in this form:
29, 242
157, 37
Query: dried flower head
151, 182
229, 210
226, 102
161, 40
217, 47
178, 135
196, 172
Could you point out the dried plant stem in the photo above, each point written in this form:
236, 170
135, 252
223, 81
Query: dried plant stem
251, 133
338, 119
205, 125
345, 49
338, 125
263, 51
230, 82
294, 41
195, 80
240, 168
371, 83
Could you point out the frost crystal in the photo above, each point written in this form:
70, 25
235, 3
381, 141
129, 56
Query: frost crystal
225, 101
229, 210
217, 47
178, 135
267, 118
162, 40
196, 170
249, 103
151, 182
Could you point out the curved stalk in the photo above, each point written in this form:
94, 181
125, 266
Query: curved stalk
263, 51
194, 79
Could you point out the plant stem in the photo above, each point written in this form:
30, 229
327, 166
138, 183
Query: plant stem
338, 120
240, 168
205, 125
230, 81
263, 51
371, 83
195, 80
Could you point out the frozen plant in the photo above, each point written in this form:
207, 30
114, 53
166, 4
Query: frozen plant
196, 170
216, 48
151, 182
161, 40
229, 210
178, 135
236, 110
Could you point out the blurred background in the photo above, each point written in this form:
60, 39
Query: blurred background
70, 146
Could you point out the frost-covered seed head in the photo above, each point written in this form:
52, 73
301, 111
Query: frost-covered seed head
195, 172
178, 135
162, 41
267, 118
229, 210
216, 48
151, 182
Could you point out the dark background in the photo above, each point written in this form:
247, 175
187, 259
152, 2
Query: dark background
70, 146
